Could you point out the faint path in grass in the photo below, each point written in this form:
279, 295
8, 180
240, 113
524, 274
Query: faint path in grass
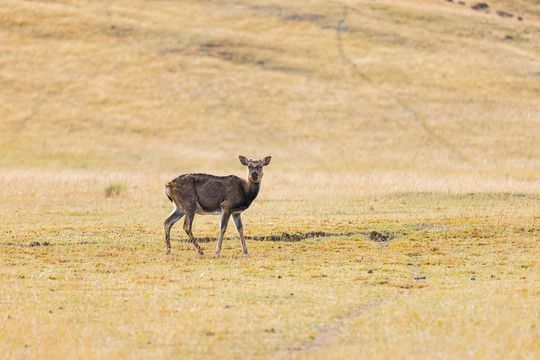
420, 124
329, 332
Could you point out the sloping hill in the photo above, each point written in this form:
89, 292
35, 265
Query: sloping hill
423, 87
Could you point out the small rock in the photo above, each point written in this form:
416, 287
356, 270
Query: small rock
420, 278
473, 278
480, 6
504, 14
379, 237
370, 272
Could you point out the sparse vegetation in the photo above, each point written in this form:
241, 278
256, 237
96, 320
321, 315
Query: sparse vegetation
399, 217
113, 190
459, 267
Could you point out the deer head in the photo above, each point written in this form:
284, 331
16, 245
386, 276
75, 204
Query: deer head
255, 167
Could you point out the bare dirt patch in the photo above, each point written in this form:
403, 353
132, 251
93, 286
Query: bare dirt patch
380, 237
288, 13
227, 51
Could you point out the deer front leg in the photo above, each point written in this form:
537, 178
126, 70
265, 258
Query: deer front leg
225, 215
237, 219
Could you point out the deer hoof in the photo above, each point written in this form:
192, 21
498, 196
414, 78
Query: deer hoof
168, 251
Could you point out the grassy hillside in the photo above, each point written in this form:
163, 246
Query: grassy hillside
427, 89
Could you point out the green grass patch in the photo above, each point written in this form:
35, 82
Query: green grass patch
114, 190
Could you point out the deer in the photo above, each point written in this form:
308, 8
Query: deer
209, 194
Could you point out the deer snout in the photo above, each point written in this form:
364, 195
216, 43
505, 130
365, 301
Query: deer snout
255, 177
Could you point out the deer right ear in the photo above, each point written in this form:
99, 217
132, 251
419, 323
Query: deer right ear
243, 160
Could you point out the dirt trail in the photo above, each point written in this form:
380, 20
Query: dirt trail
419, 123
295, 237
329, 332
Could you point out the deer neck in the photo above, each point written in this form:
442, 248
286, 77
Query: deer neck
251, 189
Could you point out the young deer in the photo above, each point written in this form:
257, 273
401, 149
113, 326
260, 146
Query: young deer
208, 194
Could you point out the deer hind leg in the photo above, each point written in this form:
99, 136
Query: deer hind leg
225, 215
168, 224
188, 222
237, 219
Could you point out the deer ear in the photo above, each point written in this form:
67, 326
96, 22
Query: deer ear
243, 160
266, 160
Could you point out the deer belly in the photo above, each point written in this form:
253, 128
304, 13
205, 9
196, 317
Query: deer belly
202, 211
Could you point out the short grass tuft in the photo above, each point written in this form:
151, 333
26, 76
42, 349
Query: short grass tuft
114, 189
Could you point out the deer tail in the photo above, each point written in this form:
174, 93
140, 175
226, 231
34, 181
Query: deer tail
167, 192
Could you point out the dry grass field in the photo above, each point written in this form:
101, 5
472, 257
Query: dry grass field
399, 218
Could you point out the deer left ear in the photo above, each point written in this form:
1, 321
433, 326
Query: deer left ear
266, 160
243, 160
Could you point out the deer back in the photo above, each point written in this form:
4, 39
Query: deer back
207, 194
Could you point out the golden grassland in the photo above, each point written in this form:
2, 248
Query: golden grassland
405, 131
453, 276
